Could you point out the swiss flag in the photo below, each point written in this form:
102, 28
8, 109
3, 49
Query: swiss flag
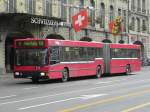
80, 20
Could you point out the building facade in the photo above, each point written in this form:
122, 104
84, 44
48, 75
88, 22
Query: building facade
139, 24
52, 19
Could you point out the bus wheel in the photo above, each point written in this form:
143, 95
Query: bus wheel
98, 72
128, 69
35, 79
65, 75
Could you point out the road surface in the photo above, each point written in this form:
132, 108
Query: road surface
122, 93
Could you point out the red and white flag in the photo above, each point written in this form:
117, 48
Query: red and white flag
80, 20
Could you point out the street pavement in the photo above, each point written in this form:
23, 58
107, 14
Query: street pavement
121, 93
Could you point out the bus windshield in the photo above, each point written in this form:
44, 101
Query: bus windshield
31, 57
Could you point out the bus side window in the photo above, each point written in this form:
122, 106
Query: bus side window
113, 53
75, 54
91, 53
83, 54
54, 55
133, 53
99, 53
65, 53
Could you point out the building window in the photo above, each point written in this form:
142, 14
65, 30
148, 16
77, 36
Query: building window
48, 8
71, 13
125, 1
133, 5
138, 25
111, 1
102, 15
81, 3
31, 6
11, 7
143, 6
143, 25
138, 6
132, 24
0, 37
111, 17
119, 12
92, 13
124, 19
64, 10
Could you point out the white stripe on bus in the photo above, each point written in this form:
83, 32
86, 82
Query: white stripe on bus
124, 58
76, 62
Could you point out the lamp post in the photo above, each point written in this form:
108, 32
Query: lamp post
128, 20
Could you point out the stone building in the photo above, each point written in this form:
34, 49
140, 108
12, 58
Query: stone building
139, 24
52, 19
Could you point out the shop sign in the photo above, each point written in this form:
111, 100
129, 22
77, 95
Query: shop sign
41, 21
36, 20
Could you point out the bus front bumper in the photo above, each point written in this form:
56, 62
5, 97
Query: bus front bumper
40, 75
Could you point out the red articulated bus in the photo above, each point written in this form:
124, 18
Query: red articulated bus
54, 59
62, 59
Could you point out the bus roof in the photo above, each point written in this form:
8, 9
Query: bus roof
54, 42
126, 46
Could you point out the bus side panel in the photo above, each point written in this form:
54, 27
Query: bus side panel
118, 65
101, 63
56, 70
86, 69
89, 68
135, 65
76, 69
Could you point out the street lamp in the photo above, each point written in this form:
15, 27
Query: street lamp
128, 20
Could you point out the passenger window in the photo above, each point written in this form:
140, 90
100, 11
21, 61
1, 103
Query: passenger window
54, 55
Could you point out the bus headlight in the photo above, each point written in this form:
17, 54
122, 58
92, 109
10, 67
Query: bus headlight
42, 74
16, 73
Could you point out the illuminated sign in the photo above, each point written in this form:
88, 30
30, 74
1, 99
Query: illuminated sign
36, 20
44, 21
31, 43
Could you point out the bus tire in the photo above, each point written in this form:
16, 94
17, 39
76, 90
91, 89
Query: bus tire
98, 72
35, 79
128, 69
65, 75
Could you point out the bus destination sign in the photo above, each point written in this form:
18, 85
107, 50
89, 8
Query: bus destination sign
32, 43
